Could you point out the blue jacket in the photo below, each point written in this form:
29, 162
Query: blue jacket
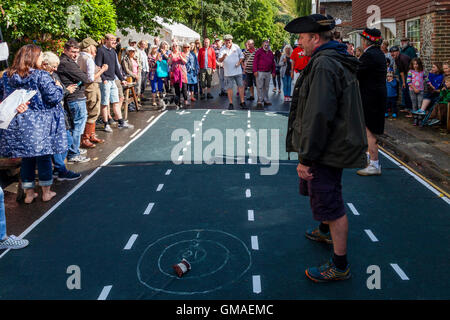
41, 129
192, 68
391, 88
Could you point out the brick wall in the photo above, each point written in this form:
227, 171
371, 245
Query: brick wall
341, 10
441, 36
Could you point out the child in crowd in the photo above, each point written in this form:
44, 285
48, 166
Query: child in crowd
435, 81
392, 89
416, 81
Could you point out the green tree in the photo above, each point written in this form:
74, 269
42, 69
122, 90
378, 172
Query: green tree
50, 22
303, 7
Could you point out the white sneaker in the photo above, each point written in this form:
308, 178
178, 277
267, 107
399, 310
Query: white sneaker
78, 159
108, 128
12, 242
371, 170
83, 151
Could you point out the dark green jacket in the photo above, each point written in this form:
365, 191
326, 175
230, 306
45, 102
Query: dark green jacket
326, 121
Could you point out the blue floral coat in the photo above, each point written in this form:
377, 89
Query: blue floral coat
192, 68
41, 129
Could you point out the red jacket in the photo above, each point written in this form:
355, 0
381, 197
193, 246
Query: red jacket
211, 58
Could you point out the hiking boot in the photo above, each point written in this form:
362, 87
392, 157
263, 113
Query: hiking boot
12, 242
243, 105
317, 235
371, 170
69, 175
328, 272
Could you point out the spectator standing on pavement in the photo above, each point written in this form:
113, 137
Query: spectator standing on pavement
110, 93
402, 63
387, 54
392, 93
192, 69
218, 44
178, 76
417, 79
39, 132
299, 62
249, 56
140, 58
156, 80
232, 57
70, 73
372, 82
130, 65
264, 69
408, 49
141, 49
50, 64
277, 78
326, 96
207, 64
92, 91
165, 55
285, 72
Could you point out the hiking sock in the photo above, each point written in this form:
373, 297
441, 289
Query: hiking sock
324, 228
374, 163
340, 261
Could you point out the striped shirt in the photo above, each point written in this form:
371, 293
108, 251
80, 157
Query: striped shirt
248, 60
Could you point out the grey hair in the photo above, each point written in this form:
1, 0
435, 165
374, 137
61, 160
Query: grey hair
50, 58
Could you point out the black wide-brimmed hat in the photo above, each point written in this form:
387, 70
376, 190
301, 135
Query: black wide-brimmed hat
373, 35
311, 24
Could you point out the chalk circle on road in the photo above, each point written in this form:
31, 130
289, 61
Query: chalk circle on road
217, 258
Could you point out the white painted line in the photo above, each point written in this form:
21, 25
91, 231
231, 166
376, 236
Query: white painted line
249, 142
249, 113
114, 153
208, 111
249, 151
371, 235
352, 207
251, 215
250, 161
105, 292
248, 193
255, 244
256, 284
419, 179
249, 126
168, 172
247, 176
160, 187
184, 149
149, 208
180, 158
193, 135
130, 242
248, 121
399, 271
135, 133
200, 124
188, 143
151, 118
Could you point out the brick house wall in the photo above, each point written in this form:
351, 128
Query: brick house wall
341, 10
434, 23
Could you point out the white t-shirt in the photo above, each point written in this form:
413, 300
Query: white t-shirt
234, 54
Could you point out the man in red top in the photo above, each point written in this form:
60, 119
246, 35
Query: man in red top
299, 62
207, 63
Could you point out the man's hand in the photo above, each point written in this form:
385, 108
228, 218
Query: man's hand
72, 88
104, 67
23, 107
303, 172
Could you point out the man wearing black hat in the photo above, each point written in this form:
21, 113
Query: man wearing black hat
326, 128
372, 83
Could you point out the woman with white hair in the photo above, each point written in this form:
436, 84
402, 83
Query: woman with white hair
285, 72
50, 63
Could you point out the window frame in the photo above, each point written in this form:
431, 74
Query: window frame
413, 42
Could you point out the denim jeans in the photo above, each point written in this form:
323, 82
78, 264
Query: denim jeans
406, 98
58, 159
28, 171
287, 84
79, 115
2, 215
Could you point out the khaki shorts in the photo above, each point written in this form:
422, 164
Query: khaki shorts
119, 87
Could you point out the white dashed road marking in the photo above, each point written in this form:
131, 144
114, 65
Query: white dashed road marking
257, 284
248, 193
352, 207
251, 215
255, 244
371, 235
247, 176
160, 187
149, 208
104, 294
130, 242
399, 271
168, 172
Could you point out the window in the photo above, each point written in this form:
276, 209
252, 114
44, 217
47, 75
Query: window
413, 32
